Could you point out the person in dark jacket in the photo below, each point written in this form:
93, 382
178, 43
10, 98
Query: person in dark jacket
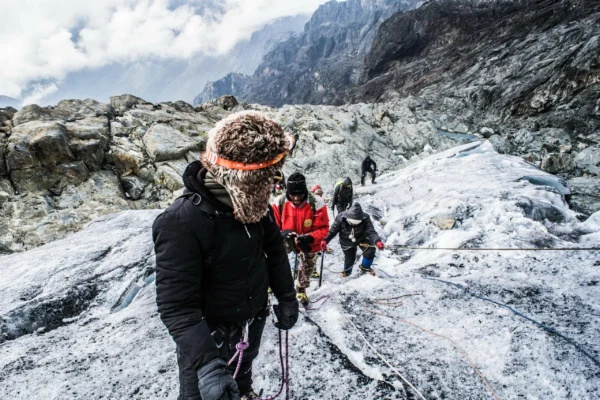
218, 250
342, 196
355, 229
368, 165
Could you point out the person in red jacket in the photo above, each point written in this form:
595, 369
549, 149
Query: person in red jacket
304, 223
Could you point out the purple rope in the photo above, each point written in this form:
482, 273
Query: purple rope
285, 373
239, 354
316, 301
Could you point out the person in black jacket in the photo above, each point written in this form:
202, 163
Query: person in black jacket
369, 166
218, 250
355, 229
342, 195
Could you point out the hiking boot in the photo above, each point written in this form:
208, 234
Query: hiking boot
250, 395
315, 274
302, 298
345, 274
369, 271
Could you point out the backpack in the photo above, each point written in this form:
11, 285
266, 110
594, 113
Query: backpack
311, 202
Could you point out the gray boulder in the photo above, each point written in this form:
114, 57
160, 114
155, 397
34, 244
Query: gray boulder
133, 186
163, 142
557, 162
586, 192
589, 160
125, 102
501, 145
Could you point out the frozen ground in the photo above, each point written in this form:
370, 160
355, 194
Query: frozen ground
78, 318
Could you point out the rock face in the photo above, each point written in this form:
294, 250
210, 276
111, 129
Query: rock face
531, 65
314, 66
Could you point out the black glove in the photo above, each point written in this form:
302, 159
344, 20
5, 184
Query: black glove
304, 243
287, 234
216, 383
286, 311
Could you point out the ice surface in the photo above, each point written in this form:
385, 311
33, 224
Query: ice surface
79, 318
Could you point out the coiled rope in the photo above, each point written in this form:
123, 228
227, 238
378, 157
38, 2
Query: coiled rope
541, 325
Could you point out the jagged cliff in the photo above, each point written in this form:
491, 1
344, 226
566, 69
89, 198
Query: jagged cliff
313, 67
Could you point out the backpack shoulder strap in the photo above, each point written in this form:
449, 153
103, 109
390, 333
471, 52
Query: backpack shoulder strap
281, 204
312, 201
205, 206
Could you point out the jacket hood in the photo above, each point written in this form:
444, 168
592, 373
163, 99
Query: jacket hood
355, 212
347, 181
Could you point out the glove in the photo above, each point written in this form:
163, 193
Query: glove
323, 244
286, 312
287, 234
379, 245
216, 383
304, 243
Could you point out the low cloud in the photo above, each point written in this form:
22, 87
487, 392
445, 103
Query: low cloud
44, 40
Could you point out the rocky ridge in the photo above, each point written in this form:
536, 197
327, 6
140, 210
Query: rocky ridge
61, 167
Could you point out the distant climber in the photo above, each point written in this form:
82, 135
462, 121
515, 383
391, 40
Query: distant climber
218, 249
356, 230
317, 190
278, 183
342, 195
304, 221
368, 165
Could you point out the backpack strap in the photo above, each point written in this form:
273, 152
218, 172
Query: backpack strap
311, 201
205, 206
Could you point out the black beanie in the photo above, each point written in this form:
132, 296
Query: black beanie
296, 184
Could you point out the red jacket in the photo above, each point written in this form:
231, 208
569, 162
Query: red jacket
302, 221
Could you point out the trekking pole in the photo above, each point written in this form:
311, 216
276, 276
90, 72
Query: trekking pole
296, 266
322, 261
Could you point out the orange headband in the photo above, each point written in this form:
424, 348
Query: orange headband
217, 160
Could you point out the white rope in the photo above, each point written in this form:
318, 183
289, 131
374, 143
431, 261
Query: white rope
383, 358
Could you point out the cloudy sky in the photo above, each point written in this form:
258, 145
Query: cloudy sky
42, 41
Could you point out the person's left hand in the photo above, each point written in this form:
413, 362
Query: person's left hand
304, 243
379, 245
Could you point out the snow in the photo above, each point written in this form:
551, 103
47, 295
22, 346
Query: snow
79, 316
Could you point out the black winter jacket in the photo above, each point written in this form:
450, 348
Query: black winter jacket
343, 193
367, 164
363, 232
210, 266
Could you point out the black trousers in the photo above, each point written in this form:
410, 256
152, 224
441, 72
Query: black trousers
350, 256
364, 174
228, 336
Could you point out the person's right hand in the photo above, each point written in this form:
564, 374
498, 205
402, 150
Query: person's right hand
215, 382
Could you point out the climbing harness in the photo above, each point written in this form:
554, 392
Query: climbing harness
549, 329
460, 351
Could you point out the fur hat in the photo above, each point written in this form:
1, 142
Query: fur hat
247, 137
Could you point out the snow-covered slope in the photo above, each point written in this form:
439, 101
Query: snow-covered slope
78, 318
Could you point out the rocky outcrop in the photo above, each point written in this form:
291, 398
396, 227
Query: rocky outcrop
82, 159
232, 85
315, 66
531, 67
